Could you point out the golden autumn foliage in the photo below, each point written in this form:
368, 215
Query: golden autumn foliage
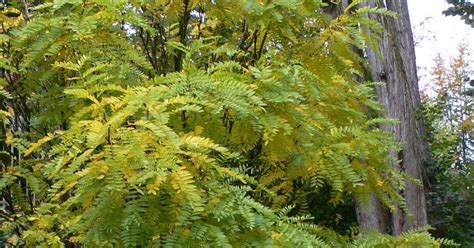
190, 123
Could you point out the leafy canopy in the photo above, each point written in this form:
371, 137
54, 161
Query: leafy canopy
190, 123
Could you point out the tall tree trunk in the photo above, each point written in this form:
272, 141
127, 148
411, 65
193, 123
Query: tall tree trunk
400, 97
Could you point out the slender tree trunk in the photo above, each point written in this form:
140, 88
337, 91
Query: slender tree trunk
400, 97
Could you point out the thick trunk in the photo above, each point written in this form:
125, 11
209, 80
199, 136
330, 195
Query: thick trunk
396, 67
400, 97
374, 216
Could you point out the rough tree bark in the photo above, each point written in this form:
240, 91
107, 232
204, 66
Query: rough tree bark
396, 67
400, 97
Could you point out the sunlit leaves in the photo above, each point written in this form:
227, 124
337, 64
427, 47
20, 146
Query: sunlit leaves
190, 123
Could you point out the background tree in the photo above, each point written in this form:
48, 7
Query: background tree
448, 112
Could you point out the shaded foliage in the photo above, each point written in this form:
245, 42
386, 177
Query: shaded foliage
462, 8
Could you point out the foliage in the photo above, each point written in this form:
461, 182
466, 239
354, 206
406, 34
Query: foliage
179, 123
462, 8
448, 115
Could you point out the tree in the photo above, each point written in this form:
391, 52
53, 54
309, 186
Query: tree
448, 112
462, 8
177, 123
394, 65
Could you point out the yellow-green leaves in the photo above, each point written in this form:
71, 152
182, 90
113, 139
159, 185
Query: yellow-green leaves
37, 144
188, 123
